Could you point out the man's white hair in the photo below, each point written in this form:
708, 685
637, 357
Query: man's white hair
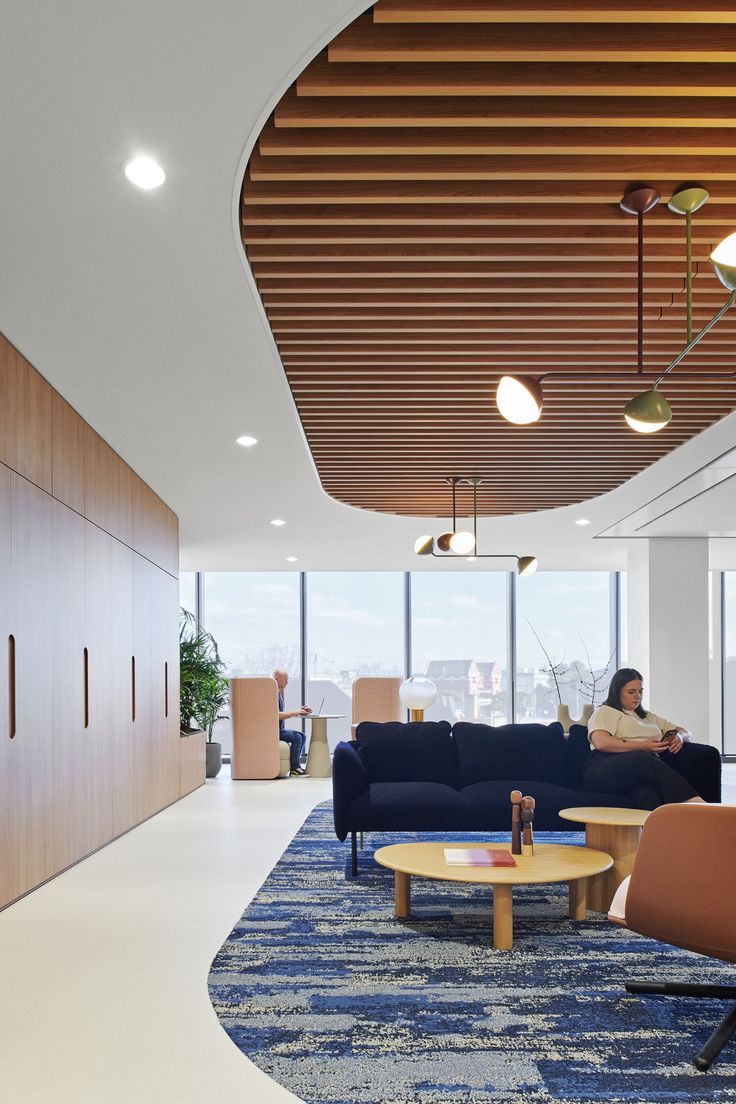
280, 671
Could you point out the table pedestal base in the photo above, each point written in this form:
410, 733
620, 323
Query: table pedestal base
319, 764
621, 842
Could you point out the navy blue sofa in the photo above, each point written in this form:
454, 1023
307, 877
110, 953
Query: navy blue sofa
429, 776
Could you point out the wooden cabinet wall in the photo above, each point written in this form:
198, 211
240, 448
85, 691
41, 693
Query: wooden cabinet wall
89, 666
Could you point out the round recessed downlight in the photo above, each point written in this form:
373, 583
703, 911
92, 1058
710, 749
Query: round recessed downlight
462, 542
246, 441
278, 521
291, 559
145, 173
582, 521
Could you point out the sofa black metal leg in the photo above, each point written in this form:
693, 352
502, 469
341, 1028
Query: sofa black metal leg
717, 1041
354, 853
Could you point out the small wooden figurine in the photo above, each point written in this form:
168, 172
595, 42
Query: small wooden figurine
527, 819
516, 796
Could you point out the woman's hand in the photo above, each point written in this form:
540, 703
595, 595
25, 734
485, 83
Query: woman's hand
673, 740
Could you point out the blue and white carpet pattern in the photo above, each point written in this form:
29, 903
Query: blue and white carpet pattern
326, 992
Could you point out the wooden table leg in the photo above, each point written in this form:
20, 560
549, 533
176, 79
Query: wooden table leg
578, 898
403, 896
620, 842
503, 918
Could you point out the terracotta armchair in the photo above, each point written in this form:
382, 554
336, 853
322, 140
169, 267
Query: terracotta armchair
376, 699
683, 891
257, 751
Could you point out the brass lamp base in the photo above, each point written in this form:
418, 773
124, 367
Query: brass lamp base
416, 714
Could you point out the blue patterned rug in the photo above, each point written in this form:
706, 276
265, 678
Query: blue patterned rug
327, 993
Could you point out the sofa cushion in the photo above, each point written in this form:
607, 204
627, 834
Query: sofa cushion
406, 806
421, 751
510, 752
485, 806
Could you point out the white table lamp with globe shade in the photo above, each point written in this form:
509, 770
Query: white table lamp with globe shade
417, 694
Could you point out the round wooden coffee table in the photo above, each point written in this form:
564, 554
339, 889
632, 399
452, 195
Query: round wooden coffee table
551, 862
616, 831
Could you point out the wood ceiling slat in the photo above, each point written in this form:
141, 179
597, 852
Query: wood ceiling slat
366, 41
720, 216
518, 11
618, 169
666, 272
418, 227
596, 195
428, 141
679, 78
515, 253
502, 111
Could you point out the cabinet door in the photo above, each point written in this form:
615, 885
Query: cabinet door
143, 725
32, 761
81, 797
109, 642
25, 417
6, 730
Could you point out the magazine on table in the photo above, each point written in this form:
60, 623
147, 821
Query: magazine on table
478, 856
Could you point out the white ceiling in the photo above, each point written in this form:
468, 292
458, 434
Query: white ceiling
140, 309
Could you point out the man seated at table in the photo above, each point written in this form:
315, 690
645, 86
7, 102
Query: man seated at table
291, 736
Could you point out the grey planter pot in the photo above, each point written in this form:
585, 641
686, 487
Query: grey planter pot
214, 759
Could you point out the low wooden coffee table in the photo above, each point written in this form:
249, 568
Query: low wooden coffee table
551, 862
616, 831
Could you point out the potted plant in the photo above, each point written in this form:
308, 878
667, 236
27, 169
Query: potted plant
204, 687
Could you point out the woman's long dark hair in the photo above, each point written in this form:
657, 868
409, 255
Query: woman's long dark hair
616, 685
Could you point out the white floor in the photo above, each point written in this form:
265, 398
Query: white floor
104, 970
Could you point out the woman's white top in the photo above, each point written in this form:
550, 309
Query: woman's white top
628, 725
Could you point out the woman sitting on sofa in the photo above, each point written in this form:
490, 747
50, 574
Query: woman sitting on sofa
634, 749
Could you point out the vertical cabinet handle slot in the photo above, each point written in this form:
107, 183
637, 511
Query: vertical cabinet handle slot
132, 687
11, 687
166, 689
86, 688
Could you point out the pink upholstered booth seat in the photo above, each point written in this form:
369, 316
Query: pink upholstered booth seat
257, 750
376, 699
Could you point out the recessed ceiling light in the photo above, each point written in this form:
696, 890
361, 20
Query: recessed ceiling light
291, 559
471, 559
582, 521
246, 441
278, 521
145, 173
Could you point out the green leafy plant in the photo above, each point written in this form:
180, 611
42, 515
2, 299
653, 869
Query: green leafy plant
204, 687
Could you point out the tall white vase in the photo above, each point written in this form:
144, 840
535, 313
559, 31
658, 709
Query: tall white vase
563, 716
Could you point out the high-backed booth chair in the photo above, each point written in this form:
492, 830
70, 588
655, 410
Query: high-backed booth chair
376, 699
683, 891
257, 750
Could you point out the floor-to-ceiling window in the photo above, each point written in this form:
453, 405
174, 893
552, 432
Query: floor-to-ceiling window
459, 639
563, 642
355, 627
461, 624
188, 591
254, 617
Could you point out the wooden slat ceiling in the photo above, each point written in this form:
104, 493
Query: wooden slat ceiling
434, 203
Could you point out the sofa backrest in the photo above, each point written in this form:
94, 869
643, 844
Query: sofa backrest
577, 750
420, 751
513, 752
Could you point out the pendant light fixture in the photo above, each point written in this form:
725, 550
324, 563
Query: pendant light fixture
464, 543
650, 411
519, 399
